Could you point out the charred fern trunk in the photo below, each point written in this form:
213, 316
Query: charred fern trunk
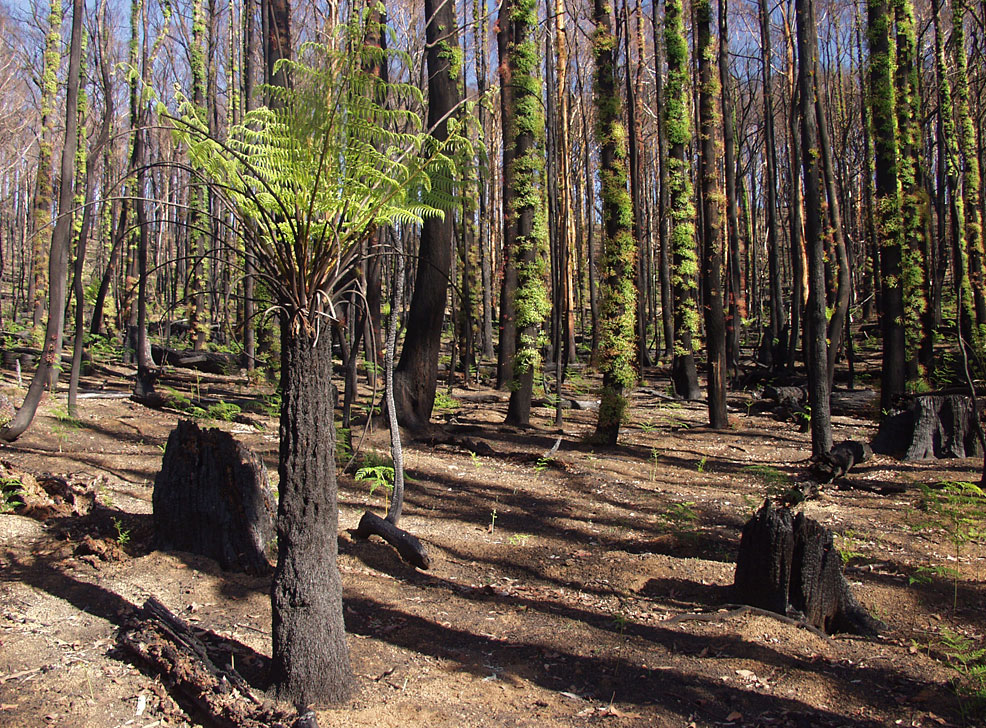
306, 593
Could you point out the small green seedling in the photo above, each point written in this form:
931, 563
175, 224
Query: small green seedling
122, 534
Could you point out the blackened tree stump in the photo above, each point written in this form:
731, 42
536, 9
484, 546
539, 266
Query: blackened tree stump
213, 497
788, 565
931, 426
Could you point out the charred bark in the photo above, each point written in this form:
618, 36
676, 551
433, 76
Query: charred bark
788, 565
931, 426
407, 545
212, 497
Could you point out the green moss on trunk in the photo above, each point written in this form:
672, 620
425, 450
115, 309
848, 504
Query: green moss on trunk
617, 289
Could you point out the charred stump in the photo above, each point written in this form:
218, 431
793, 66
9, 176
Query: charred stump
931, 426
213, 497
788, 565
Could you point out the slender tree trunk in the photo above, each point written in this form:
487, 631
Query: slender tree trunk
60, 241
249, 104
770, 189
712, 200
971, 183
684, 263
481, 29
43, 186
815, 318
524, 134
887, 200
636, 187
416, 376
913, 197
101, 143
840, 309
734, 319
663, 229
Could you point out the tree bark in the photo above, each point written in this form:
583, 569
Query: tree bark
306, 592
710, 121
815, 318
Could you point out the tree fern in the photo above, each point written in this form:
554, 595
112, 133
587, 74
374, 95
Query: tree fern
322, 166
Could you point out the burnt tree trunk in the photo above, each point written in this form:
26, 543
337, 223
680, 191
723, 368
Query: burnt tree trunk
788, 565
310, 658
416, 376
212, 497
931, 426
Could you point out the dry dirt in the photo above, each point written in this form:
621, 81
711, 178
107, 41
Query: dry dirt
554, 588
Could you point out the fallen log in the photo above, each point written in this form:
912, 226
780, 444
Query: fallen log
786, 404
169, 647
211, 362
789, 565
408, 546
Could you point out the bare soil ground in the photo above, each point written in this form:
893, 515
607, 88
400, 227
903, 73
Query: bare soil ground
579, 589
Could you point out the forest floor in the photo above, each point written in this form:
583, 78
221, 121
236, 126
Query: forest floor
557, 586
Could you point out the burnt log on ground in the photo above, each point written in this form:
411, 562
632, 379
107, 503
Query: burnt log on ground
786, 404
407, 545
212, 497
838, 461
167, 646
211, 362
931, 426
788, 564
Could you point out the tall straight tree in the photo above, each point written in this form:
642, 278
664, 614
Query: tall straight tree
734, 322
815, 317
43, 185
61, 239
416, 375
712, 200
525, 228
684, 261
887, 199
664, 254
198, 212
915, 257
953, 181
971, 182
776, 328
617, 293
